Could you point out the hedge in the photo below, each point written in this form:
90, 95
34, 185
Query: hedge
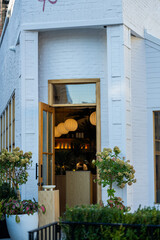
99, 214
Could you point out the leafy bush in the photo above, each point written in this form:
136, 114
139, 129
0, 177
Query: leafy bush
17, 207
14, 166
99, 214
113, 169
1, 210
6, 192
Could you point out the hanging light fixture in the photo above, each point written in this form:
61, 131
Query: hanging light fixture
61, 128
93, 118
71, 124
56, 132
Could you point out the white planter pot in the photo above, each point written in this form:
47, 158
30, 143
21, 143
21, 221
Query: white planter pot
19, 231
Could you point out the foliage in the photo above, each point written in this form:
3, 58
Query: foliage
7, 192
13, 172
1, 213
116, 202
17, 207
113, 169
99, 214
14, 165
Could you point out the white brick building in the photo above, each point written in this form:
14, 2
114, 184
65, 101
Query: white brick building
116, 42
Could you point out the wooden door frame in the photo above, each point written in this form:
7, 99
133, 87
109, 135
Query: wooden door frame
47, 108
97, 105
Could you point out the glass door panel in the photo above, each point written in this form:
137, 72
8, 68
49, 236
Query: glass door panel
44, 169
44, 131
50, 173
50, 145
46, 145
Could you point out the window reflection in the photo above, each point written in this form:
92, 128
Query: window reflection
74, 93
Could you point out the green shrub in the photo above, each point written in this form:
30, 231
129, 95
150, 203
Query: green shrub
1, 210
114, 170
6, 192
98, 214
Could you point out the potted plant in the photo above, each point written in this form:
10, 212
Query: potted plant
6, 192
114, 170
3, 228
13, 167
21, 217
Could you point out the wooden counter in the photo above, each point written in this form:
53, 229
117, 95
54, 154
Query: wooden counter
79, 186
50, 199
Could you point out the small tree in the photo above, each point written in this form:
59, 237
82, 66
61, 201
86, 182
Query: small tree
112, 169
14, 166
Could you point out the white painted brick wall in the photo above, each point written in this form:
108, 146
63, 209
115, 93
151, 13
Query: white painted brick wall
72, 11
119, 96
82, 53
153, 102
139, 122
153, 74
10, 75
137, 15
29, 107
142, 14
74, 54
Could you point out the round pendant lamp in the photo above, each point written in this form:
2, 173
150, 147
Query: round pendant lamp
93, 118
71, 124
57, 133
61, 128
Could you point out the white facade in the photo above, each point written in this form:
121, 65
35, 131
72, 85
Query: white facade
111, 40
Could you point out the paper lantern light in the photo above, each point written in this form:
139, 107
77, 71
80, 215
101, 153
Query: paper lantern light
61, 128
93, 118
57, 133
71, 125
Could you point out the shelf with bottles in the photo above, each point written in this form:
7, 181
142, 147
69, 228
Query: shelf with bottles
70, 144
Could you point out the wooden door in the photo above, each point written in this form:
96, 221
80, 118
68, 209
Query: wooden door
46, 145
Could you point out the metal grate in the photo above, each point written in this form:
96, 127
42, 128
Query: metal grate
48, 232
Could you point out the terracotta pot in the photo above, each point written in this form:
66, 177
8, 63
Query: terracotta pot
19, 231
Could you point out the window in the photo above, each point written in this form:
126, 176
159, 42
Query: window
7, 126
74, 93
3, 12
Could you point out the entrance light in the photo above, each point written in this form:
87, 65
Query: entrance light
61, 128
93, 118
71, 124
57, 133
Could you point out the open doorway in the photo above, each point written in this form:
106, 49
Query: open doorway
66, 153
75, 149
